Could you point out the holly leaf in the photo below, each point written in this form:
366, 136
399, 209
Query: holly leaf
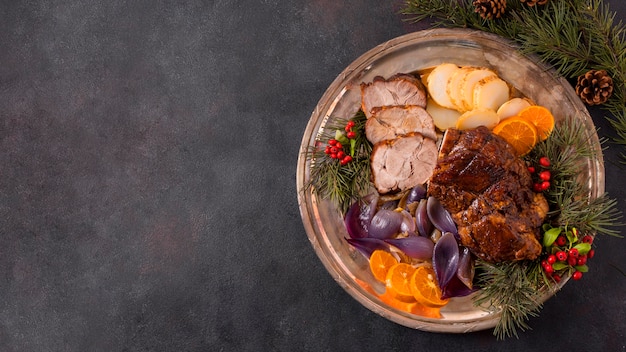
550, 236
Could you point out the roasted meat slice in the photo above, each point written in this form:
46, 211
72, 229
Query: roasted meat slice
389, 122
488, 191
400, 89
402, 163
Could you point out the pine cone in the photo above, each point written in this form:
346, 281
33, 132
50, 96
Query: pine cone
533, 2
594, 87
490, 9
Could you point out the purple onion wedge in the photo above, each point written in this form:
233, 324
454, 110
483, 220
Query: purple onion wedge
414, 246
416, 194
465, 271
440, 217
367, 245
408, 222
359, 216
424, 226
385, 224
455, 288
445, 259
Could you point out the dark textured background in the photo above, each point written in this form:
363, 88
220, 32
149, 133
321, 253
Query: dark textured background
147, 184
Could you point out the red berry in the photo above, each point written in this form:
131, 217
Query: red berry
332, 141
346, 159
591, 253
573, 252
333, 155
582, 260
572, 261
544, 161
347, 128
551, 259
327, 149
548, 269
351, 135
545, 185
588, 239
537, 187
350, 124
338, 145
561, 241
561, 256
340, 154
577, 275
545, 175
531, 169
557, 278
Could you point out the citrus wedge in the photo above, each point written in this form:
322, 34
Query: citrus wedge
398, 282
519, 133
541, 117
380, 262
425, 289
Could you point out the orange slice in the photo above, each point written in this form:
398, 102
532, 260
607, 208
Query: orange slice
425, 289
389, 299
380, 262
398, 282
413, 307
518, 132
541, 117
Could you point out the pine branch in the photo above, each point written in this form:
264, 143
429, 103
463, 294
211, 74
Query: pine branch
572, 36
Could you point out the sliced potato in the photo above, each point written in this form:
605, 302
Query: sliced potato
453, 88
512, 107
443, 118
478, 117
437, 82
491, 93
469, 82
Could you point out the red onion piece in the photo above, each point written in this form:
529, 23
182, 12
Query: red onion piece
424, 226
385, 224
414, 246
465, 272
440, 217
359, 216
455, 288
445, 259
367, 245
417, 193
408, 222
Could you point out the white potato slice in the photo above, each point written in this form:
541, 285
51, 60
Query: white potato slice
443, 118
437, 82
512, 107
478, 117
467, 86
453, 88
491, 93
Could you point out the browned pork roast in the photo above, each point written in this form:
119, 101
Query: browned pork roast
403, 162
389, 122
488, 191
397, 90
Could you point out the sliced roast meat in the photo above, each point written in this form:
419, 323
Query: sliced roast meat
389, 122
400, 89
488, 191
402, 163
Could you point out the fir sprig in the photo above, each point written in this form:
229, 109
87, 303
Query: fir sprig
341, 184
568, 148
573, 36
515, 289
